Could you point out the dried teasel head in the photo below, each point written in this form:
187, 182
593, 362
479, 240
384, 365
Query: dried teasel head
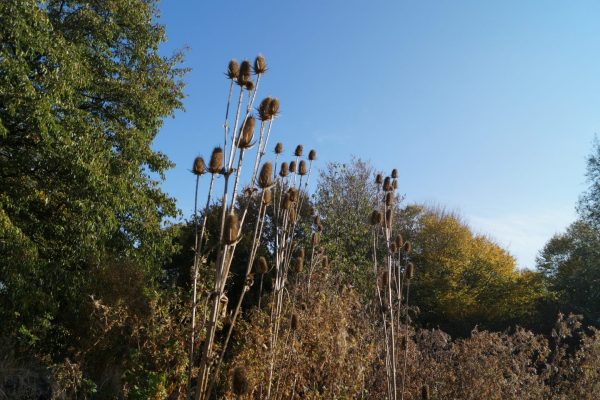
376, 217
232, 228
260, 64
394, 173
317, 219
199, 168
387, 184
283, 170
319, 228
233, 69
389, 199
399, 241
293, 193
378, 179
261, 265
312, 155
298, 264
279, 148
265, 176
239, 381
274, 107
292, 166
407, 247
244, 73
410, 270
393, 248
316, 238
302, 168
246, 133
216, 161
395, 184
267, 197
388, 217
298, 151
249, 86
294, 322
286, 203
425, 392
264, 109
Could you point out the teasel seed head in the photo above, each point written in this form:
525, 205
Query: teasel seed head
265, 176
239, 381
316, 237
199, 167
233, 69
294, 322
407, 247
267, 197
388, 218
260, 64
249, 86
274, 107
376, 217
394, 173
300, 252
232, 228
395, 184
293, 192
244, 73
264, 109
262, 265
399, 241
286, 203
292, 166
317, 219
312, 155
302, 170
389, 198
246, 133
319, 228
298, 264
393, 248
410, 270
216, 161
378, 179
279, 148
299, 150
425, 392
283, 171
387, 184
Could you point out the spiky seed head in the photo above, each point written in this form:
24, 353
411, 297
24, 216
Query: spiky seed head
298, 264
317, 219
267, 197
376, 217
394, 173
378, 179
216, 161
389, 198
232, 228
286, 203
325, 261
279, 148
199, 167
244, 73
260, 64
399, 241
264, 109
316, 237
233, 69
283, 170
395, 184
293, 193
312, 155
239, 381
407, 247
299, 150
410, 270
382, 278
292, 166
319, 228
388, 218
249, 86
246, 133
302, 170
387, 184
393, 248
262, 265
274, 107
266, 174
294, 322
300, 252
425, 392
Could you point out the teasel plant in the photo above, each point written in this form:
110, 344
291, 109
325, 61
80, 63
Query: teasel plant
392, 275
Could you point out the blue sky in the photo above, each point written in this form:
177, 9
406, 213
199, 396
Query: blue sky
485, 108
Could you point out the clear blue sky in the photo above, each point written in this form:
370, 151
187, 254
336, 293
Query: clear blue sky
486, 108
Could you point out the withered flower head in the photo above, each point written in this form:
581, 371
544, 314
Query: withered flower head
233, 69
244, 73
298, 151
260, 64
399, 241
232, 228
315, 239
283, 171
274, 107
264, 109
249, 86
302, 168
262, 265
266, 172
378, 179
410, 270
199, 168
246, 133
298, 264
239, 381
387, 184
407, 247
267, 197
216, 161
312, 155
279, 148
292, 166
376, 217
394, 173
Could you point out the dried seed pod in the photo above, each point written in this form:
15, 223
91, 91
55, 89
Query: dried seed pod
292, 166
286, 203
317, 219
378, 179
298, 151
387, 184
407, 247
249, 86
312, 155
301, 252
265, 176
298, 264
395, 184
294, 322
315, 239
233, 69
376, 218
399, 241
425, 392
388, 217
244, 73
246, 133
262, 265
239, 382
267, 197
283, 171
274, 107
293, 192
264, 109
393, 248
199, 167
389, 198
279, 148
302, 168
232, 228
260, 65
410, 270
394, 173
216, 161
